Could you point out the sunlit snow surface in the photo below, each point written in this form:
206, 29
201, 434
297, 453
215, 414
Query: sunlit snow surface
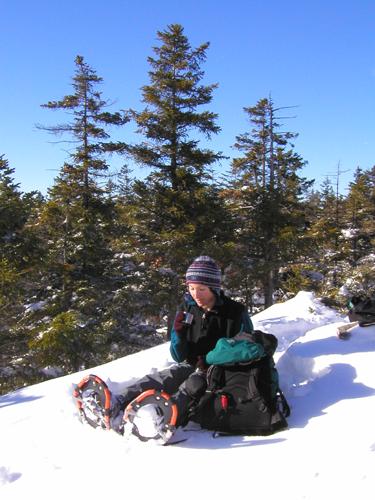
328, 451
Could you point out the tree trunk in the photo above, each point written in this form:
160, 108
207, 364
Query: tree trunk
269, 288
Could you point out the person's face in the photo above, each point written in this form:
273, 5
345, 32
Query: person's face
202, 295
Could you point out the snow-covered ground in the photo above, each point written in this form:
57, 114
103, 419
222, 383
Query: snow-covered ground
328, 451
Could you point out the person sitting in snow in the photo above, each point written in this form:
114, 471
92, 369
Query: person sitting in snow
205, 316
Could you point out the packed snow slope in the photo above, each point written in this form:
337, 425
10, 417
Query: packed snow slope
328, 451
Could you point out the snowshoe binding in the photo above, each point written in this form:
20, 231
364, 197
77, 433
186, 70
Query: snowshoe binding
93, 400
151, 416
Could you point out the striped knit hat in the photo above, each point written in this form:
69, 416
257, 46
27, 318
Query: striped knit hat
204, 271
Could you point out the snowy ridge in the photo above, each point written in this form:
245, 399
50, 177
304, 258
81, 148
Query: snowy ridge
328, 451
292, 319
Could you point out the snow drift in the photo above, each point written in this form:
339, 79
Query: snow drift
328, 451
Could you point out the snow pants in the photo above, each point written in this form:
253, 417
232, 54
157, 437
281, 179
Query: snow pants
181, 381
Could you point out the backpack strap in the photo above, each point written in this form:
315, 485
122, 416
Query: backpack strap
215, 376
285, 408
254, 393
214, 382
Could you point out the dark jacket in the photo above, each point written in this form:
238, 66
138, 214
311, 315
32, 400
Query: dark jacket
226, 319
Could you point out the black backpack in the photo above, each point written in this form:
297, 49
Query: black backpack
244, 398
362, 309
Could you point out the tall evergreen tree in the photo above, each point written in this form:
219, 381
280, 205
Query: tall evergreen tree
77, 222
19, 250
327, 251
87, 129
177, 209
359, 232
324, 226
12, 220
12, 214
268, 197
172, 100
20, 253
360, 214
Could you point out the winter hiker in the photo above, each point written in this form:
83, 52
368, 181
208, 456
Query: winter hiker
205, 316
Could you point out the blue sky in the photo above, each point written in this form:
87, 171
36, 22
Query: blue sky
317, 55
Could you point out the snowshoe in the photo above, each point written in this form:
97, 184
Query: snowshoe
151, 416
93, 400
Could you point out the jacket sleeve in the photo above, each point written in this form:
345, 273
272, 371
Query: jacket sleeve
246, 323
178, 346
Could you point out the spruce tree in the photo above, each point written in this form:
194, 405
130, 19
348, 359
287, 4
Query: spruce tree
360, 214
12, 214
19, 249
268, 198
12, 220
171, 115
77, 221
177, 208
20, 255
359, 233
87, 129
327, 252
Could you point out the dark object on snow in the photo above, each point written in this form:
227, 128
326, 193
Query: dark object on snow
362, 309
245, 398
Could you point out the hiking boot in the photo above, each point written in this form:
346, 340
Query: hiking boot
152, 415
116, 415
148, 421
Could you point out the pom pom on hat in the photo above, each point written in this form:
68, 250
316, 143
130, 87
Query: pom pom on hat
204, 271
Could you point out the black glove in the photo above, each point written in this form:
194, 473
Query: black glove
179, 325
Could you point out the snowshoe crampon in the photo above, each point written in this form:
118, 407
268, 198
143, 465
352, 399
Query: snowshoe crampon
93, 401
151, 416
